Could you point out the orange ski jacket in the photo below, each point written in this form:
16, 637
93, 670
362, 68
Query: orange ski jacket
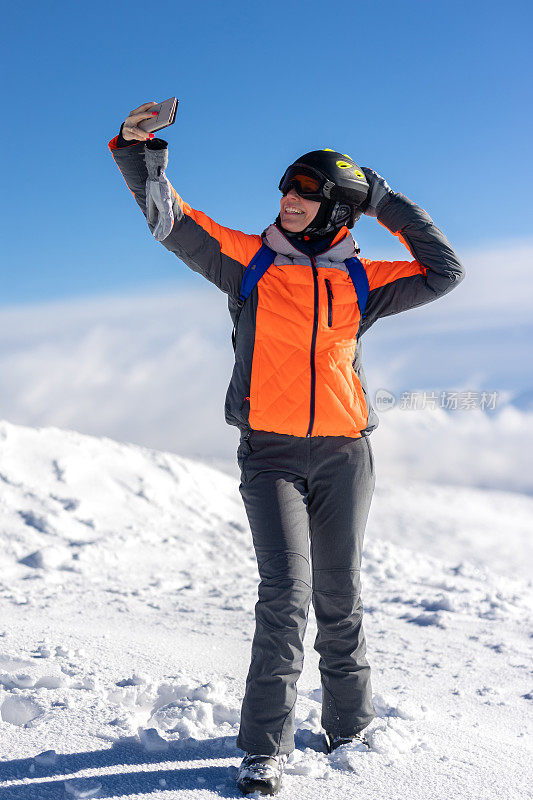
298, 367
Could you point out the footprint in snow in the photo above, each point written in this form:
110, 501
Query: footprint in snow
48, 758
20, 711
406, 709
441, 603
425, 619
82, 787
68, 503
48, 557
33, 520
175, 710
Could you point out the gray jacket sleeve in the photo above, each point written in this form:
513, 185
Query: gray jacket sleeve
396, 286
219, 254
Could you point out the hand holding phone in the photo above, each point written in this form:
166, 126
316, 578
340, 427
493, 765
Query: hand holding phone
133, 129
165, 116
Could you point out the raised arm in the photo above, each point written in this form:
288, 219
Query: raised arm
396, 286
218, 253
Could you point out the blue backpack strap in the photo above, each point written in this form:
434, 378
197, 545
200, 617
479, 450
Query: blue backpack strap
255, 271
360, 282
252, 275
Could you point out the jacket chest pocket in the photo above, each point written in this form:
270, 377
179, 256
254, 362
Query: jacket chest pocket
329, 292
339, 312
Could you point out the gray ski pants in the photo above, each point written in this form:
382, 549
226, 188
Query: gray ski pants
299, 491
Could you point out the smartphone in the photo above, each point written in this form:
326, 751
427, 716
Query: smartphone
166, 114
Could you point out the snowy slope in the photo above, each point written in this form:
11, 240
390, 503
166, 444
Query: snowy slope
127, 588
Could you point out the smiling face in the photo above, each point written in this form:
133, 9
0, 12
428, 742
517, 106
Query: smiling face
297, 212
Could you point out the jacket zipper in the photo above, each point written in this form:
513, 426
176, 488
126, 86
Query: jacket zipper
329, 290
313, 347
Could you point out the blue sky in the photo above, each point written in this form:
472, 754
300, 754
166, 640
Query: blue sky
103, 331
434, 96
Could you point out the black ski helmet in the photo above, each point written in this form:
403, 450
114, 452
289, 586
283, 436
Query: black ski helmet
334, 179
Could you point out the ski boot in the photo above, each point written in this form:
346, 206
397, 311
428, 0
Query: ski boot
333, 741
260, 773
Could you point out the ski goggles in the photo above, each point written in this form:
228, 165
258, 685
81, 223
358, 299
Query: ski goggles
306, 182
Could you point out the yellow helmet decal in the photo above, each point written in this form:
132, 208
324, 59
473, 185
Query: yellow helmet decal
345, 164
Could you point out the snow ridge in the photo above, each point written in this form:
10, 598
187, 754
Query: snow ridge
127, 590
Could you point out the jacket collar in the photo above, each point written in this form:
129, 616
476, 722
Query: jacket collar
342, 247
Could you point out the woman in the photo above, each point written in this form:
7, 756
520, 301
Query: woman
298, 394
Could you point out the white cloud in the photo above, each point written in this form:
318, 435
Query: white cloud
153, 369
497, 290
466, 448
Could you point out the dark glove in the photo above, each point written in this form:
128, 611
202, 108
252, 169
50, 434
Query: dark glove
378, 193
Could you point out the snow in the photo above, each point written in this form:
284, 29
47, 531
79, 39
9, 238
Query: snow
127, 592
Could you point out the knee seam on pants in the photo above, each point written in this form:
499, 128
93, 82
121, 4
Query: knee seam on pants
282, 627
285, 553
335, 569
277, 579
